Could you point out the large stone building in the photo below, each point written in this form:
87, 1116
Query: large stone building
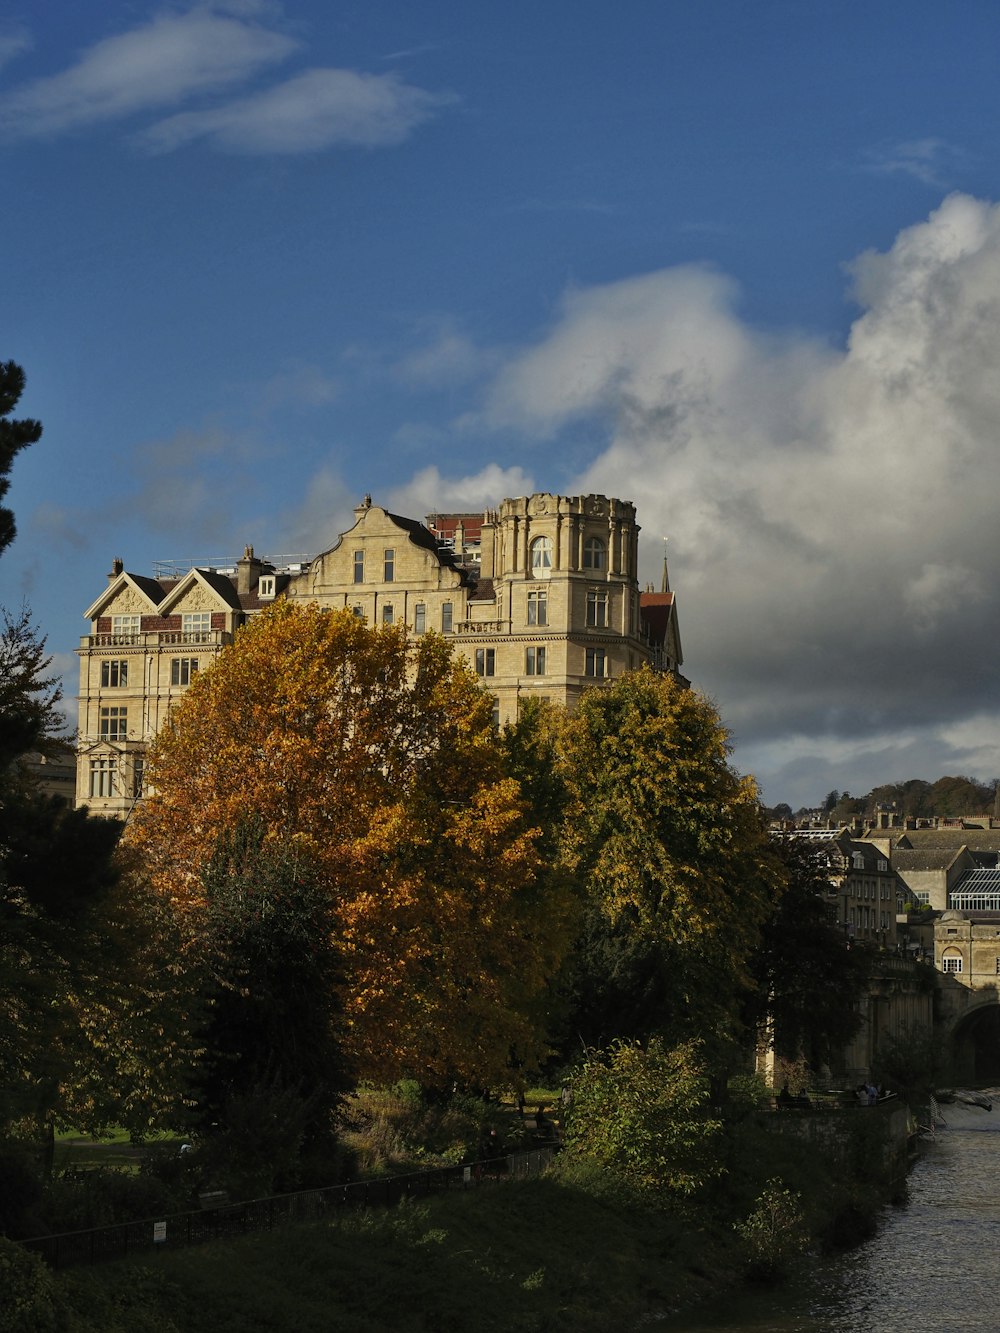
540, 595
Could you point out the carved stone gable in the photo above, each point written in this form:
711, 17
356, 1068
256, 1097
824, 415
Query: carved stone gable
128, 602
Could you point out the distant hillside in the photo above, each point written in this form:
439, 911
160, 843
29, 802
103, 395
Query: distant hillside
948, 797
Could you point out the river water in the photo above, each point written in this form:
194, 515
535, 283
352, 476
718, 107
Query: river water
933, 1265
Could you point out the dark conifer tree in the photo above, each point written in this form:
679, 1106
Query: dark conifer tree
14, 436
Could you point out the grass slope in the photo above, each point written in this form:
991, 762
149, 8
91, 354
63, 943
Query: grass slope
531, 1256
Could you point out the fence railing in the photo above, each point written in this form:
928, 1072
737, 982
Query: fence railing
224, 1219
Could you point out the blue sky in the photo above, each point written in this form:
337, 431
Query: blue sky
739, 262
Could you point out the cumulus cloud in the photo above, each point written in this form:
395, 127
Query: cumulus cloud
165, 61
315, 110
428, 492
831, 510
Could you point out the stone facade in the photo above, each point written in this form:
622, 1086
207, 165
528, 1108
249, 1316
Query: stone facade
540, 595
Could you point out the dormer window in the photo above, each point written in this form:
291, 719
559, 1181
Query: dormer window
265, 586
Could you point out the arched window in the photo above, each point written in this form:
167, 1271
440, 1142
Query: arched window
951, 962
594, 554
541, 555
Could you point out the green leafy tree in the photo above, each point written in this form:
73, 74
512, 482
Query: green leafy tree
912, 1065
669, 844
82, 1012
809, 981
15, 435
273, 979
642, 1112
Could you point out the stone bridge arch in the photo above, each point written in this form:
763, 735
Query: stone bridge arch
968, 1030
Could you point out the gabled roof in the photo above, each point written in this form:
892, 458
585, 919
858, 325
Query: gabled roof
976, 839
221, 585
925, 858
418, 533
658, 612
146, 587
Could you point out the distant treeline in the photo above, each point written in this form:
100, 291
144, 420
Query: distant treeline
948, 796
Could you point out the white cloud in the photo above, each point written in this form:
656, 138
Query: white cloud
832, 512
301, 386
448, 356
931, 160
428, 492
14, 42
178, 488
315, 110
166, 61
327, 510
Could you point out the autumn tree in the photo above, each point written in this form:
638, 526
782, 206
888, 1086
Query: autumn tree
378, 758
678, 876
14, 436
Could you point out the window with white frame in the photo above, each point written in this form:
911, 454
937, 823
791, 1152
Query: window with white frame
183, 670
538, 606
113, 723
114, 674
420, 618
125, 629
951, 962
597, 663
594, 554
446, 617
196, 626
486, 661
534, 660
265, 586
388, 565
597, 609
541, 555
359, 566
102, 777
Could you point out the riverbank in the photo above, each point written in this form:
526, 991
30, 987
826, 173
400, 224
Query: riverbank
569, 1251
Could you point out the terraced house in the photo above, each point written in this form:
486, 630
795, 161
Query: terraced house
541, 596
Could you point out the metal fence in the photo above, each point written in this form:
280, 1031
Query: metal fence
224, 1219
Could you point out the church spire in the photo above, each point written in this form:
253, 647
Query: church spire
666, 575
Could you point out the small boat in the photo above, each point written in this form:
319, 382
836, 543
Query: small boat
948, 1095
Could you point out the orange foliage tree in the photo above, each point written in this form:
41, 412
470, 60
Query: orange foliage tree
378, 758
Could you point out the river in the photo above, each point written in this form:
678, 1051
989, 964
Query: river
933, 1264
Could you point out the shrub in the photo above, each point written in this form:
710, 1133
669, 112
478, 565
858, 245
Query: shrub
101, 1196
27, 1294
775, 1231
643, 1113
20, 1190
